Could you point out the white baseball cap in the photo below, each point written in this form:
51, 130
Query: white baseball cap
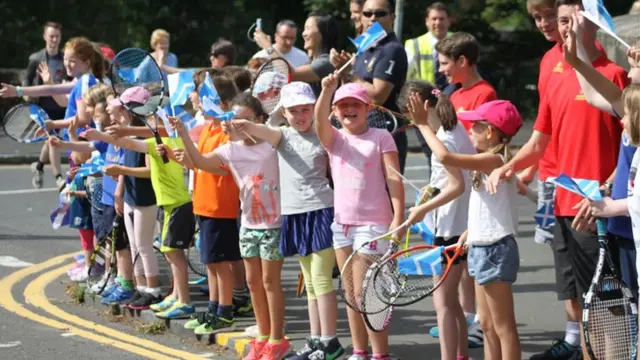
293, 94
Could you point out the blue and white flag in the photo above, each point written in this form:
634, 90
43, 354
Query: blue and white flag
94, 166
369, 38
128, 75
210, 101
586, 188
177, 111
597, 13
425, 263
180, 85
544, 215
60, 215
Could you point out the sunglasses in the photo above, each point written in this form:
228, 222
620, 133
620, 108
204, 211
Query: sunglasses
377, 13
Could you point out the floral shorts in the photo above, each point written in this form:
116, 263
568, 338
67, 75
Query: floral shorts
264, 243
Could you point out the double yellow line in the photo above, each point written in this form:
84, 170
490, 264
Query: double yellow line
35, 296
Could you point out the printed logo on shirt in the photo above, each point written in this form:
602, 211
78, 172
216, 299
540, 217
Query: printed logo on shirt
461, 109
559, 67
371, 63
581, 97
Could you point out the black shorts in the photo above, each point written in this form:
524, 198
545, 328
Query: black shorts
178, 226
575, 255
440, 241
103, 222
219, 240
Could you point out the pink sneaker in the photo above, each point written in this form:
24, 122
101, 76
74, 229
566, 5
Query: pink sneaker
276, 351
75, 268
255, 350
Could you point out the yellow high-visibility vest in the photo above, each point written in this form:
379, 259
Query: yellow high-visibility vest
420, 50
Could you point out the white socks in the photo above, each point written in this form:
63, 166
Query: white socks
572, 333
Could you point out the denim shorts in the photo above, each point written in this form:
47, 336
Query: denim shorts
499, 261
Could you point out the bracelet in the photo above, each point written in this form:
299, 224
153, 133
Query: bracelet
19, 91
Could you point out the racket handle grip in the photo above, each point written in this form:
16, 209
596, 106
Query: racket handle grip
165, 159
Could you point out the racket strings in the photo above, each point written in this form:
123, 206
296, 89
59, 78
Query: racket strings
272, 77
612, 322
352, 279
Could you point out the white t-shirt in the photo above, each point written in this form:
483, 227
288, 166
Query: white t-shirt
451, 219
492, 217
633, 200
295, 57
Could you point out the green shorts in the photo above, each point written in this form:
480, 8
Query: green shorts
264, 243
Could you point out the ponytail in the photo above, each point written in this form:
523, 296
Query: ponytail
97, 63
437, 100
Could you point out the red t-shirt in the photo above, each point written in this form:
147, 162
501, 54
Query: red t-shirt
551, 66
469, 99
586, 139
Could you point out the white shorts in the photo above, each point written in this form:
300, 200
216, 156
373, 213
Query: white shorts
356, 235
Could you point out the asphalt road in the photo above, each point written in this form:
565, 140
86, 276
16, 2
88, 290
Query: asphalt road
26, 234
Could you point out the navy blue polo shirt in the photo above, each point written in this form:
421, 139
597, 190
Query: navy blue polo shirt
386, 61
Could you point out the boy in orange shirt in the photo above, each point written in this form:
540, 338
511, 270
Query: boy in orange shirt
458, 56
216, 204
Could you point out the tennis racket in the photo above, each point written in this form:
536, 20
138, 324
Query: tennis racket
94, 192
610, 316
381, 118
269, 81
378, 321
22, 122
135, 67
413, 274
103, 254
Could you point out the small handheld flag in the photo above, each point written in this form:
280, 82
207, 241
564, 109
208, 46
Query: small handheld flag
596, 12
60, 215
424, 264
95, 165
211, 101
544, 215
586, 188
364, 42
180, 85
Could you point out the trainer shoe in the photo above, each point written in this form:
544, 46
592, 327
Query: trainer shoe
36, 180
332, 351
309, 348
476, 336
103, 283
255, 350
435, 333
198, 320
359, 355
144, 302
137, 294
242, 308
177, 311
559, 350
60, 183
214, 325
118, 296
273, 351
163, 305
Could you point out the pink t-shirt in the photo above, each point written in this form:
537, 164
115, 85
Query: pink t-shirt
255, 170
360, 195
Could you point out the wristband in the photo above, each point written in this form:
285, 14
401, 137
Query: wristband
19, 91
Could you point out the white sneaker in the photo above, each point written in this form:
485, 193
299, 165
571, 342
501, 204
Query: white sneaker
252, 331
100, 284
36, 180
60, 183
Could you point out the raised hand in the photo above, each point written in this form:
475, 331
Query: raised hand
116, 131
113, 170
418, 109
330, 82
44, 73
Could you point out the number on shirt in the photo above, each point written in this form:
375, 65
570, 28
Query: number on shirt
390, 69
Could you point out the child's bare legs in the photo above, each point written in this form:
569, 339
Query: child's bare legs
499, 298
224, 283
271, 277
379, 340
466, 290
178, 264
492, 348
125, 268
253, 267
212, 282
356, 324
452, 323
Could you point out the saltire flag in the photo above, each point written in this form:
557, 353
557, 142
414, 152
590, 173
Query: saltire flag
423, 264
39, 116
94, 166
369, 38
597, 13
589, 189
60, 215
544, 215
210, 101
180, 85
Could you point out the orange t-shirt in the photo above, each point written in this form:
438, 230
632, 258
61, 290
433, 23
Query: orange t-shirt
586, 139
214, 196
471, 98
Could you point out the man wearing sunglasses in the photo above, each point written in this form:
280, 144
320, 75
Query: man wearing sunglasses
382, 69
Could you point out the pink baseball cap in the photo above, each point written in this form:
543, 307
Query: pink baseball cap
351, 90
136, 94
500, 113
